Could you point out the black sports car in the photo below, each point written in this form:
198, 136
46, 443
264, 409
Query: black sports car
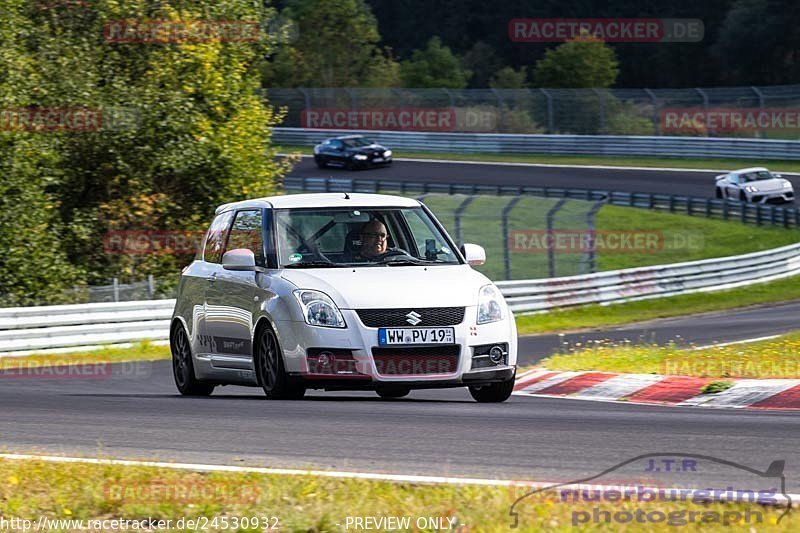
351, 152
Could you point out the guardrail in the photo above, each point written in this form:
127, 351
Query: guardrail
788, 217
496, 143
652, 282
29, 329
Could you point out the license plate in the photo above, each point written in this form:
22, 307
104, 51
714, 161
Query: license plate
388, 336
378, 159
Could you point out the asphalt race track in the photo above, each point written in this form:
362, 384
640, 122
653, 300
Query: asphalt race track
134, 411
697, 330
690, 183
430, 433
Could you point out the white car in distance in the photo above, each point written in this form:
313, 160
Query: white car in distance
755, 185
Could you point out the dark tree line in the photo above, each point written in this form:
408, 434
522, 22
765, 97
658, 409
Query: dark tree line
746, 42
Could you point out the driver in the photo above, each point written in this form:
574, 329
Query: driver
374, 241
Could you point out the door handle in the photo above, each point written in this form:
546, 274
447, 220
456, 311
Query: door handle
212, 278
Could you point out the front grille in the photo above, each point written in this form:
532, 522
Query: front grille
428, 316
416, 361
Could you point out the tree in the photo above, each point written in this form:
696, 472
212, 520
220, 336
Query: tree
338, 46
508, 78
482, 60
197, 134
585, 62
434, 66
764, 53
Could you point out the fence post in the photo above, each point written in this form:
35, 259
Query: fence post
592, 252
550, 116
551, 260
601, 110
506, 248
457, 217
725, 209
115, 287
151, 286
671, 203
760, 105
705, 102
708, 207
656, 128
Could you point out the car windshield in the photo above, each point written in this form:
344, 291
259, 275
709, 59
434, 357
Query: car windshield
360, 237
759, 175
355, 142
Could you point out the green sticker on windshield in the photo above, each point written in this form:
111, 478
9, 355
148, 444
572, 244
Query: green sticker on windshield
294, 258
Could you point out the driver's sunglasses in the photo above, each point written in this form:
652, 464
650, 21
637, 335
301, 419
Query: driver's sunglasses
380, 236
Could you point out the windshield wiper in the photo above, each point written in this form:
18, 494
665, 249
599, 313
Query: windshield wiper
312, 264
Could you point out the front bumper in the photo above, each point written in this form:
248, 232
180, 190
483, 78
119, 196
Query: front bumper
371, 162
772, 197
358, 368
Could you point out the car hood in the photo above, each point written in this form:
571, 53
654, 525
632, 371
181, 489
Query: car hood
768, 185
393, 287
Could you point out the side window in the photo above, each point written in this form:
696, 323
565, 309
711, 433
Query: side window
215, 238
246, 233
337, 144
734, 178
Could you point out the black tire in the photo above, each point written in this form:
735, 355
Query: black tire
321, 163
388, 394
270, 371
494, 393
183, 367
719, 193
742, 196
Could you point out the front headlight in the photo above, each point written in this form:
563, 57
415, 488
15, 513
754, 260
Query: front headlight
750, 188
490, 305
319, 309
787, 185
387, 153
360, 157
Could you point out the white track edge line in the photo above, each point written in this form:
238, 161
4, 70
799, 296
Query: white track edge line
743, 341
337, 474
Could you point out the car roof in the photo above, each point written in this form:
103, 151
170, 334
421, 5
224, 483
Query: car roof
346, 137
328, 199
751, 169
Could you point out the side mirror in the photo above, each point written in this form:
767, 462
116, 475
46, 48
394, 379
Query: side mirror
240, 259
474, 254
778, 175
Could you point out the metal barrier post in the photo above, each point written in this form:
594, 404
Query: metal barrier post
551, 260
457, 217
506, 249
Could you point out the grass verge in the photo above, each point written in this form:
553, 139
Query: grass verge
662, 238
597, 316
774, 358
141, 351
658, 162
32, 489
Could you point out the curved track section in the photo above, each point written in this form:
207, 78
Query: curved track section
697, 183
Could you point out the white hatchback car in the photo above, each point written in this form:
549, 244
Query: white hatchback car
339, 292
